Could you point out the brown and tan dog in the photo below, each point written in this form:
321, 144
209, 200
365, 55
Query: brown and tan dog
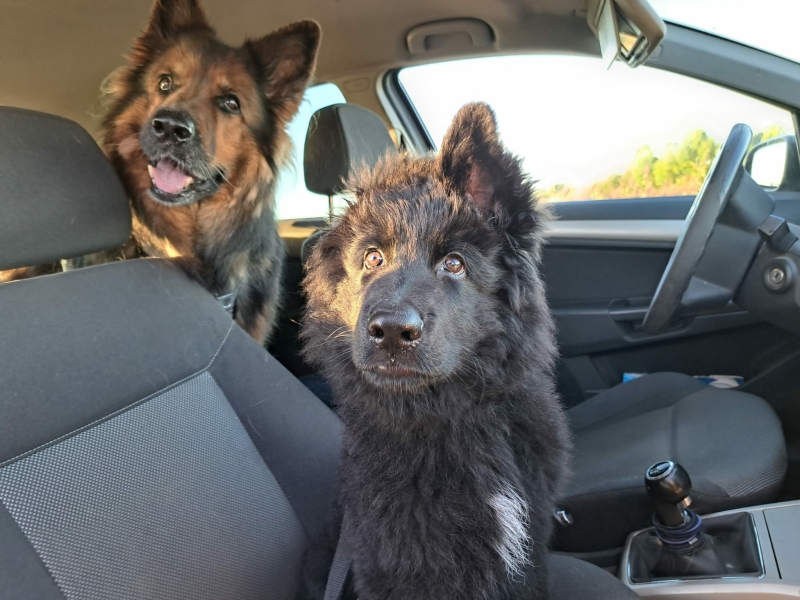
196, 130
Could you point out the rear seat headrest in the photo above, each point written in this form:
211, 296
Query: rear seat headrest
342, 138
59, 195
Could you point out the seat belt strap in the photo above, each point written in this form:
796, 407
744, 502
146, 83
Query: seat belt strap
340, 568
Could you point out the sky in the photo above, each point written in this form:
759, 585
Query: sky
575, 122
767, 24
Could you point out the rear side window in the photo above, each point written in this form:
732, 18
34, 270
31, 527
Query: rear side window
294, 200
563, 116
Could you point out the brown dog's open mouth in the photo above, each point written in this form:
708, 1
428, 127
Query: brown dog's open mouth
168, 177
172, 184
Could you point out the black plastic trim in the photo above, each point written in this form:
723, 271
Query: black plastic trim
666, 208
406, 111
738, 67
787, 205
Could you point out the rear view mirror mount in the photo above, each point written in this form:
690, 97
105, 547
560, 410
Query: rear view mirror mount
628, 30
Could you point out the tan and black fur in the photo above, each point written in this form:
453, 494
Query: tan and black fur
228, 239
221, 229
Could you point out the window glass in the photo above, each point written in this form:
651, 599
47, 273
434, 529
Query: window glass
770, 25
587, 133
294, 201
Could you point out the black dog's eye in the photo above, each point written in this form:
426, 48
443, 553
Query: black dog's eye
165, 84
230, 103
373, 258
454, 264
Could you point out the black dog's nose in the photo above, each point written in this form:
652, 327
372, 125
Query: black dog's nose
395, 330
172, 127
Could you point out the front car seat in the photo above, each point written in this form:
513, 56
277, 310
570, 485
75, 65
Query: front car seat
731, 443
149, 448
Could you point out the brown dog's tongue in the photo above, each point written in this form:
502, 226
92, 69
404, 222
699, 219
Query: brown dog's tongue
169, 177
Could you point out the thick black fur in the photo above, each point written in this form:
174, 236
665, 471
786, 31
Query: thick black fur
469, 410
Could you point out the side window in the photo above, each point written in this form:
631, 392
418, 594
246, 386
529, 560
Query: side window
563, 116
294, 200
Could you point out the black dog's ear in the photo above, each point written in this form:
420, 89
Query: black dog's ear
474, 162
286, 60
168, 19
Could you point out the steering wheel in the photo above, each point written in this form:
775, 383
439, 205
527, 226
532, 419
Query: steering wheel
718, 241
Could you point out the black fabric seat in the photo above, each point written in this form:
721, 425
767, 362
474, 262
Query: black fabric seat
149, 448
731, 443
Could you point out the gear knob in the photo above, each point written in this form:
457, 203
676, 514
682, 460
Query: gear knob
669, 486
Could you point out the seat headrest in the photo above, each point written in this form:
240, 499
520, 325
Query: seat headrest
342, 138
59, 195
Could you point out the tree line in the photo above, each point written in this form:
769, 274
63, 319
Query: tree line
679, 171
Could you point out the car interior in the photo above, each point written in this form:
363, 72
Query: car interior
150, 449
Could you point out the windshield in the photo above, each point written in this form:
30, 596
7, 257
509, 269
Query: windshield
563, 117
769, 25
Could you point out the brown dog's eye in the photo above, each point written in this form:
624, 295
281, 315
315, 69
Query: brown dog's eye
453, 264
165, 84
373, 258
230, 103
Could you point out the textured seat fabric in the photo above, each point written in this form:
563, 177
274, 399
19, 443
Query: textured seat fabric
149, 448
731, 443
572, 579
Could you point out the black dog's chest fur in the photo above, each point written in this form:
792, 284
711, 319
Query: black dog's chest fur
419, 507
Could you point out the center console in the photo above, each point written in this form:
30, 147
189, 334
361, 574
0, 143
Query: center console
751, 553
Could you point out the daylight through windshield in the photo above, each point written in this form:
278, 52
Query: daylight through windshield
563, 116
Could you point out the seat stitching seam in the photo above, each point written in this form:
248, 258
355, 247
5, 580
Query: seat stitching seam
627, 408
119, 410
225, 339
101, 419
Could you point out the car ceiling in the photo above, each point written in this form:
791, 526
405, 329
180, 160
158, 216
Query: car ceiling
55, 53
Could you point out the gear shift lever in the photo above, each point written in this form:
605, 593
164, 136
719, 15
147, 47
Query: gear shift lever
669, 485
678, 546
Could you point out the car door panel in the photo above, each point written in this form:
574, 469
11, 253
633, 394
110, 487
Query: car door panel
602, 266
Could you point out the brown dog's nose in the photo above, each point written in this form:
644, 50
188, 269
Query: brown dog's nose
395, 330
172, 127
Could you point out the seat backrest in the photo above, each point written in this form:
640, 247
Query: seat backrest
341, 139
51, 205
149, 448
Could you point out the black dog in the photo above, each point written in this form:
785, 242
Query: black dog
427, 315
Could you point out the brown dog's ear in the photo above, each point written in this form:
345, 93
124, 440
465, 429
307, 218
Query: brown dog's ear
474, 162
168, 19
286, 60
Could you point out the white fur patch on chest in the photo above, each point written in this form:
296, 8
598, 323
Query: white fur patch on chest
514, 543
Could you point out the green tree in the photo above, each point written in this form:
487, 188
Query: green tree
680, 171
